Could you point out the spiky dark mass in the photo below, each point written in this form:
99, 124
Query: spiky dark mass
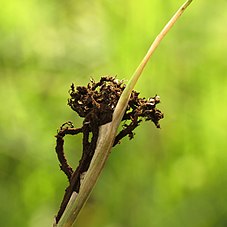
101, 98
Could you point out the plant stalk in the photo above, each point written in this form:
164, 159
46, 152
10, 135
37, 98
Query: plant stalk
107, 133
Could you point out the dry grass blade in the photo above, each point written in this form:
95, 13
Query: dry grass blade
108, 132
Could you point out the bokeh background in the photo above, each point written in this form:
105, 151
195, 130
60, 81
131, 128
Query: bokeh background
174, 176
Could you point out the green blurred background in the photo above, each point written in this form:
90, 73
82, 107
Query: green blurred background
175, 176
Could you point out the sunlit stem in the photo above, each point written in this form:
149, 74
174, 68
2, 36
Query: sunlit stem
108, 132
126, 94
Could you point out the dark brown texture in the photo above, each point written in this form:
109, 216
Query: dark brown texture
96, 103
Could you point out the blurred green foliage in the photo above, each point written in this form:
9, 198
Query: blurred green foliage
175, 176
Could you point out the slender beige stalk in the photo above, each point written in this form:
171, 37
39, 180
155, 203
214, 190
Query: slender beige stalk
108, 132
151, 50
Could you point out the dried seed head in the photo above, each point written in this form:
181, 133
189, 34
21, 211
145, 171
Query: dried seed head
100, 98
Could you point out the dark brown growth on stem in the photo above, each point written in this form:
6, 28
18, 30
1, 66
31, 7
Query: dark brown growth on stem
96, 103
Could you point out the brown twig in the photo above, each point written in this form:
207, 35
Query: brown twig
65, 167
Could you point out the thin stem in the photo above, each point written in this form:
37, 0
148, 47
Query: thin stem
150, 52
107, 133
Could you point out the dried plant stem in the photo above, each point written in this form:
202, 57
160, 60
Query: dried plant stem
151, 50
107, 133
